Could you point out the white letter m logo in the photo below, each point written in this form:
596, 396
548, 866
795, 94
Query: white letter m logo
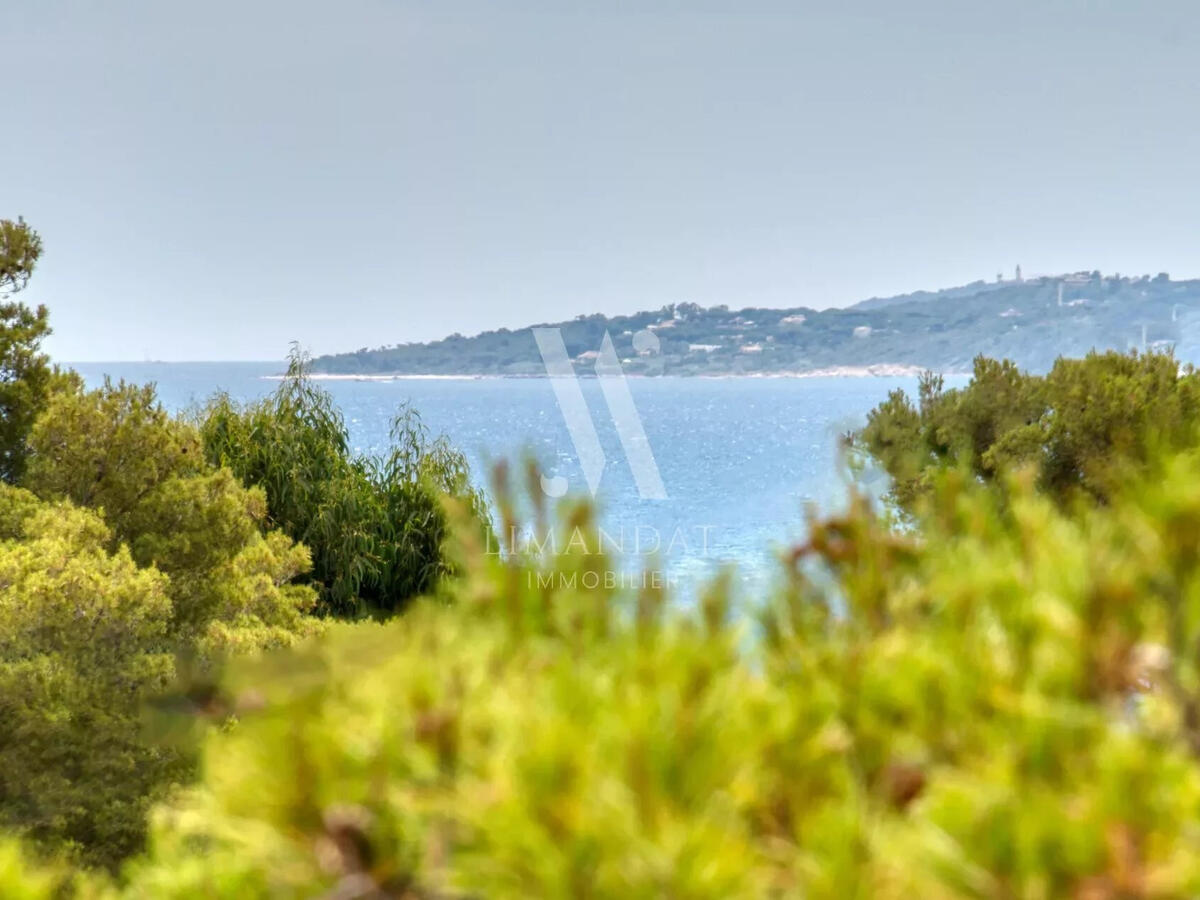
579, 421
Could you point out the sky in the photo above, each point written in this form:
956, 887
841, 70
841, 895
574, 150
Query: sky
215, 180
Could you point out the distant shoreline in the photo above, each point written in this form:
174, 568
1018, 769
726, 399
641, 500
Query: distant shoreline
1031, 322
878, 370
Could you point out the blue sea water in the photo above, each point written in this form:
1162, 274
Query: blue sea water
740, 458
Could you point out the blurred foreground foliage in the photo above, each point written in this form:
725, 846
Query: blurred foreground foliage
1003, 704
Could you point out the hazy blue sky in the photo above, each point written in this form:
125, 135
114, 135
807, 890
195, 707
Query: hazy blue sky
216, 179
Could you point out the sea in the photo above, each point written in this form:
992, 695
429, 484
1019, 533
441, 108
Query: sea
742, 461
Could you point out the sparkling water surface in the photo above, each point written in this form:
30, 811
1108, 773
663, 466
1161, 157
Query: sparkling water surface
740, 458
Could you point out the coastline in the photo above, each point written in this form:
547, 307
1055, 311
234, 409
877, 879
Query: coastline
877, 370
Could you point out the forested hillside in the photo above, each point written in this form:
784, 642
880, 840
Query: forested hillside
1030, 322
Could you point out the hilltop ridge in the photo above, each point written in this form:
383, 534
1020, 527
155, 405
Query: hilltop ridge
1031, 321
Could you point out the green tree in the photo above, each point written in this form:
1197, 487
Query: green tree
117, 450
20, 249
84, 641
25, 372
167, 575
375, 525
1082, 426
